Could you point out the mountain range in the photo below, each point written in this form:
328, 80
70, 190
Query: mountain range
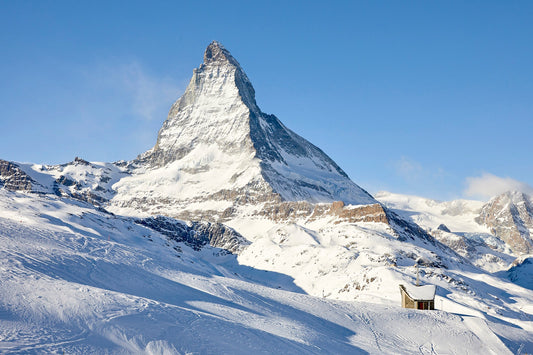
236, 231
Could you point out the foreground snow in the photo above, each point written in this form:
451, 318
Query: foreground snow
77, 280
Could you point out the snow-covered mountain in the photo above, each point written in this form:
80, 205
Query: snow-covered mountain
218, 151
236, 229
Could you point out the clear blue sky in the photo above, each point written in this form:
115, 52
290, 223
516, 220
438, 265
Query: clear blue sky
419, 97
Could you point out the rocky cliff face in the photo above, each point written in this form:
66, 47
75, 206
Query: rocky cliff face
196, 234
13, 178
509, 216
218, 150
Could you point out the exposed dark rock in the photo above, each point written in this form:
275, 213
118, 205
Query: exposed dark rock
442, 227
220, 236
103, 210
197, 234
13, 178
90, 197
406, 229
63, 180
81, 161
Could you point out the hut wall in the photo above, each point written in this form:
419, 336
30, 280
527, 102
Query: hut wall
407, 301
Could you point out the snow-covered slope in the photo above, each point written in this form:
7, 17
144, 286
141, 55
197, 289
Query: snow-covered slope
87, 181
217, 150
78, 280
521, 272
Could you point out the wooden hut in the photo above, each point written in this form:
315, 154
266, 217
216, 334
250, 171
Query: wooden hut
418, 297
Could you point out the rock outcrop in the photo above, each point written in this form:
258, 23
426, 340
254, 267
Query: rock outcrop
13, 178
509, 216
196, 234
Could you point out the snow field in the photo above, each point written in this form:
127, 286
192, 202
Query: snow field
81, 281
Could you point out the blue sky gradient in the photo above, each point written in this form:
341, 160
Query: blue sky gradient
423, 98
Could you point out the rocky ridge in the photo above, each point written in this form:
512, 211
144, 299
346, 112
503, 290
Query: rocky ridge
13, 178
510, 217
196, 234
488, 234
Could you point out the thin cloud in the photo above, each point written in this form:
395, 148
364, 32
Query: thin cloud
119, 106
414, 177
488, 185
409, 169
146, 94
114, 90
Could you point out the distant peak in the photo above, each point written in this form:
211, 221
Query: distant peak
216, 53
513, 195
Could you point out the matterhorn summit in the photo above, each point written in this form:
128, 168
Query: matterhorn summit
217, 149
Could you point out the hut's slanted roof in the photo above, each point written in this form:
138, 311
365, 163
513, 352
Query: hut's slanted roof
420, 293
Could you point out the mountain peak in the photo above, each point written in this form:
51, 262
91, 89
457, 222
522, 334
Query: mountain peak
215, 53
220, 145
511, 196
510, 217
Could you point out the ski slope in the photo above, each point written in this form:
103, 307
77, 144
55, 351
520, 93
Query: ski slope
78, 280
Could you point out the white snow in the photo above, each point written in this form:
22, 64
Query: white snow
94, 177
471, 239
457, 215
424, 292
77, 280
204, 171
